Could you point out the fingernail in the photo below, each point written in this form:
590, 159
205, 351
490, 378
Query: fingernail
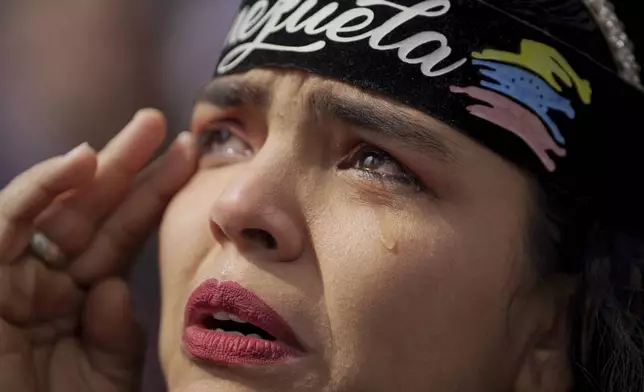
78, 149
137, 115
142, 112
185, 144
185, 139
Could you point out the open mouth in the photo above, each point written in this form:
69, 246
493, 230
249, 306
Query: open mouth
230, 325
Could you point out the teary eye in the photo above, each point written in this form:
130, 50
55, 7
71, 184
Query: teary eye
222, 141
380, 165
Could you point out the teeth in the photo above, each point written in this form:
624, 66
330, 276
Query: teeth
221, 316
237, 333
237, 319
229, 332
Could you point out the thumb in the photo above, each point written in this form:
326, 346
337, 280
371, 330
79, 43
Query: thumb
113, 340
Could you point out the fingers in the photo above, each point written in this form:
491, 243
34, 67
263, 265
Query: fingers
112, 339
31, 192
72, 223
47, 332
120, 161
32, 293
110, 252
16, 363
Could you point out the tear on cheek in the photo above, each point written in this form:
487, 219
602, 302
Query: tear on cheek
387, 229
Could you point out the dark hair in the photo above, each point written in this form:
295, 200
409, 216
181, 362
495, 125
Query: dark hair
606, 333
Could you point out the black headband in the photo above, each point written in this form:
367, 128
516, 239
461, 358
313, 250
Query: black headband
523, 93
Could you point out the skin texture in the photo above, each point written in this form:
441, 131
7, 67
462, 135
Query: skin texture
99, 211
413, 285
388, 286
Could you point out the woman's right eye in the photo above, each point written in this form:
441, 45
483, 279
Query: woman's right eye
222, 142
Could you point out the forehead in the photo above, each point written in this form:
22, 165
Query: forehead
273, 86
264, 85
302, 96
465, 166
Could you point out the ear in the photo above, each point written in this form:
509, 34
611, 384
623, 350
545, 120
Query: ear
546, 365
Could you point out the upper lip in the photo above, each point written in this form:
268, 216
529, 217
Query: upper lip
214, 296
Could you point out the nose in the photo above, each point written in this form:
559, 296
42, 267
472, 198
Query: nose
258, 212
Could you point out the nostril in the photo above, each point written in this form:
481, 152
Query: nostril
262, 236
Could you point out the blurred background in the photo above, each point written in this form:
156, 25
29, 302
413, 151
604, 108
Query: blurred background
77, 70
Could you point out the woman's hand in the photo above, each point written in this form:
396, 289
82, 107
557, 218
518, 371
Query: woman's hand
69, 327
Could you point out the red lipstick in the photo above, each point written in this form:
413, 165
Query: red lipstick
229, 325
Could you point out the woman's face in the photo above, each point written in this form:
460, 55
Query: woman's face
391, 245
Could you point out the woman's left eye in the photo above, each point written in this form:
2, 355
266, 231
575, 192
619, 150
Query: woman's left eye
379, 165
223, 142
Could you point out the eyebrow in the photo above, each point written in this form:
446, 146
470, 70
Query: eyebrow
228, 93
414, 133
386, 121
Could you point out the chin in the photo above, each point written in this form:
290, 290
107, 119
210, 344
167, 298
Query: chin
187, 374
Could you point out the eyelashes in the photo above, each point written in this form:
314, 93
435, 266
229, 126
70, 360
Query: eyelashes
222, 144
377, 165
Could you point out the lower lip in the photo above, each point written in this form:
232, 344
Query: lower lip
228, 349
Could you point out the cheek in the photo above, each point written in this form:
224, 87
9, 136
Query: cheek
185, 231
184, 241
434, 301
